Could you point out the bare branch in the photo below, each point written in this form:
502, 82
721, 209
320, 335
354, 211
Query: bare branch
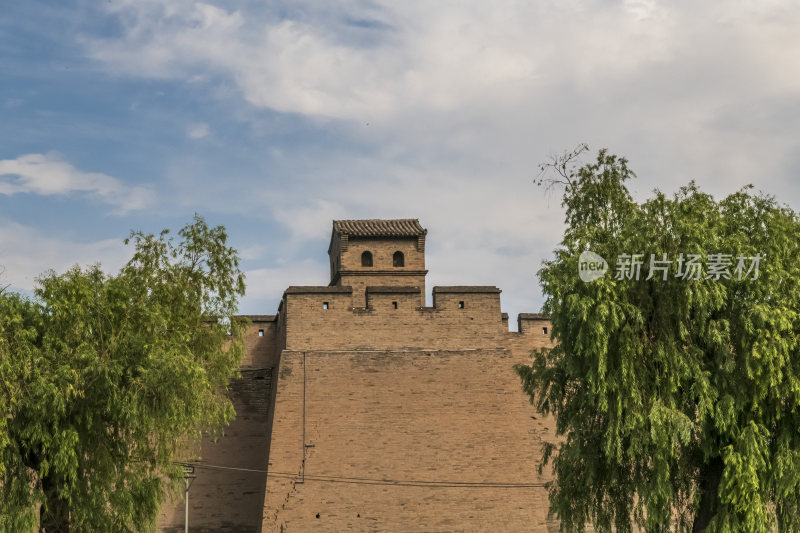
563, 165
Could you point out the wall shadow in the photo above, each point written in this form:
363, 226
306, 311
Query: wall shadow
221, 498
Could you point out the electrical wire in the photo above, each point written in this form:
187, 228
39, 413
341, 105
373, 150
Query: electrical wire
374, 481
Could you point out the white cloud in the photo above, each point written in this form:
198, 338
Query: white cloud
432, 56
254, 251
48, 174
309, 221
479, 75
271, 282
26, 253
198, 131
446, 108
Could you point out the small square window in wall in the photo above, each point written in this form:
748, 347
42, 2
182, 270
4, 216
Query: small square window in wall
261, 333
394, 305
544, 330
325, 305
461, 305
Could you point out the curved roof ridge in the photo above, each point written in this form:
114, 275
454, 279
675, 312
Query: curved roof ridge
376, 227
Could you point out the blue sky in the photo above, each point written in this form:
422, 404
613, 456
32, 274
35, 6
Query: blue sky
273, 118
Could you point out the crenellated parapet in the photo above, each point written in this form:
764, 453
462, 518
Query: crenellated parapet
461, 317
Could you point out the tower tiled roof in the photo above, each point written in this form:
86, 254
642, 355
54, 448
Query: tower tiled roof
400, 227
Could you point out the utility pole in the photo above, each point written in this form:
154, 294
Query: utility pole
188, 477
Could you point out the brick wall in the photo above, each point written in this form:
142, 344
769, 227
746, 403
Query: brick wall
408, 394
231, 501
414, 417
309, 325
451, 413
351, 273
372, 412
382, 252
359, 281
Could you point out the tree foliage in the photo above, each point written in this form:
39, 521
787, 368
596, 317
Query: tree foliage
677, 401
104, 377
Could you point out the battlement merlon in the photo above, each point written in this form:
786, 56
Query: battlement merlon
527, 322
459, 296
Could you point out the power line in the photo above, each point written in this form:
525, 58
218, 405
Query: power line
377, 481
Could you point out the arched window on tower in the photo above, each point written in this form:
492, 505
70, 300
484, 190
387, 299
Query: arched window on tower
398, 260
366, 259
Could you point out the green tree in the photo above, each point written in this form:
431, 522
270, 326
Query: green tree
103, 378
677, 401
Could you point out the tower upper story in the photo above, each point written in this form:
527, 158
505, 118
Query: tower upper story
378, 253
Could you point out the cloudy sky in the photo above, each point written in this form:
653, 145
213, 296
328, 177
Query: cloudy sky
273, 118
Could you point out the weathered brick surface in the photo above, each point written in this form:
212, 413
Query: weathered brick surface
231, 501
347, 270
310, 326
409, 416
382, 251
261, 351
380, 410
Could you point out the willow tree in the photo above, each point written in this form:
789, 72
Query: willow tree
104, 377
675, 374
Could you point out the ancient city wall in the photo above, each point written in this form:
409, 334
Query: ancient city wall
230, 501
427, 440
462, 317
361, 409
452, 411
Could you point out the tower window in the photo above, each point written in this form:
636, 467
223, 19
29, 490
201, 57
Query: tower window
398, 260
366, 259
461, 305
261, 333
325, 305
544, 330
394, 305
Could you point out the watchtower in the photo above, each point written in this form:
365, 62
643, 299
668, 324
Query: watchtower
378, 253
